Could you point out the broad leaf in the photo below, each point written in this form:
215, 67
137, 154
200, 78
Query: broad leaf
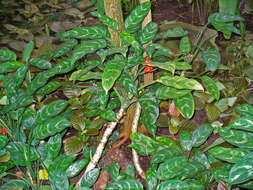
185, 140
125, 80
170, 168
165, 92
136, 17
242, 139
58, 180
40, 63
223, 17
87, 76
244, 109
180, 82
111, 73
3, 141
50, 110
151, 179
185, 105
231, 155
10, 66
48, 88
15, 184
173, 185
148, 33
126, 184
7, 55
185, 45
169, 66
202, 158
200, 135
143, 144
165, 154
90, 177
106, 20
211, 58
211, 87
242, 171
243, 123
109, 115
75, 168
175, 33
73, 145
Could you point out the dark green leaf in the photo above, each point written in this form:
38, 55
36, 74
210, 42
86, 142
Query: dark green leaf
171, 167
40, 63
51, 127
200, 135
15, 184
73, 145
231, 155
86, 32
71, 43
173, 185
111, 73
103, 53
87, 76
223, 17
7, 55
125, 80
148, 33
169, 66
3, 141
185, 105
150, 110
244, 109
90, 177
151, 179
211, 58
143, 144
242, 171
202, 158
28, 50
48, 88
126, 184
75, 168
185, 45
62, 163
211, 87
242, 139
185, 140
165, 92
243, 123
106, 20
58, 180
222, 173
136, 17
10, 66
109, 115
182, 65
180, 82
165, 154
175, 33
50, 110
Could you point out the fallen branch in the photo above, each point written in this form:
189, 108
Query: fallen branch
93, 162
134, 130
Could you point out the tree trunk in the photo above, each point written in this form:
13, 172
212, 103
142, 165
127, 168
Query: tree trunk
113, 9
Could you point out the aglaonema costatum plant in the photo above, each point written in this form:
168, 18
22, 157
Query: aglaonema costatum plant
117, 83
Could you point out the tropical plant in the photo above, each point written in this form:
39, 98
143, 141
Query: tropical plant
107, 80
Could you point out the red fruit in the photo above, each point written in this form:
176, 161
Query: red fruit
150, 156
3, 93
4, 131
147, 60
10, 73
148, 69
115, 85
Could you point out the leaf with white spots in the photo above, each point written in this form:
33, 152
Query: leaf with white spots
185, 105
135, 18
211, 87
169, 66
223, 17
242, 139
243, 123
212, 59
7, 55
90, 177
200, 135
112, 71
231, 155
148, 33
125, 184
108, 21
244, 109
180, 82
242, 171
173, 185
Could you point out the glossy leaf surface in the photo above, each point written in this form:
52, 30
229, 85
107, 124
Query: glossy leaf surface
180, 82
223, 17
165, 92
40, 63
165, 154
111, 73
148, 33
185, 105
126, 184
243, 123
211, 87
7, 55
75, 168
10, 66
27, 51
211, 58
185, 140
90, 177
200, 134
185, 45
242, 139
106, 20
244, 109
173, 185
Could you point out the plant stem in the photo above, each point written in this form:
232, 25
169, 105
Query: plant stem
93, 162
134, 130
